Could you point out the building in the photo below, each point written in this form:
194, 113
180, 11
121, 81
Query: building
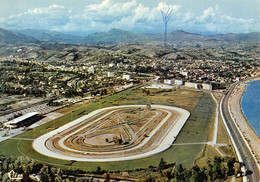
191, 85
168, 81
184, 73
91, 69
111, 65
178, 82
126, 77
206, 86
23, 120
110, 74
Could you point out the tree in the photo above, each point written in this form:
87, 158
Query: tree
162, 164
224, 170
230, 162
209, 171
195, 171
148, 92
179, 173
149, 178
216, 167
44, 174
107, 177
98, 171
236, 168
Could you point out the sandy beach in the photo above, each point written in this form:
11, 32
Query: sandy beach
248, 132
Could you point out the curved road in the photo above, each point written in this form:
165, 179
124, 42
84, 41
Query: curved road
247, 158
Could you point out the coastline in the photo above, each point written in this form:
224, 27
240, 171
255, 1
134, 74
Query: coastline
248, 133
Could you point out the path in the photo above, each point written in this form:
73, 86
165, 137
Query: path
215, 132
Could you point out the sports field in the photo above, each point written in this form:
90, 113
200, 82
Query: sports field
115, 134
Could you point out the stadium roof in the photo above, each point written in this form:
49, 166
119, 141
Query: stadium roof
21, 118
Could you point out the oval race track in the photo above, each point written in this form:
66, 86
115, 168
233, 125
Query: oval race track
115, 134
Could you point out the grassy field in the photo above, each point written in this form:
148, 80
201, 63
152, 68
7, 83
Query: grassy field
196, 129
224, 138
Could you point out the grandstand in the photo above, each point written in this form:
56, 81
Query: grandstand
24, 120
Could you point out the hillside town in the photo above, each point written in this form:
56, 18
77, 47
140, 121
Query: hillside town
88, 71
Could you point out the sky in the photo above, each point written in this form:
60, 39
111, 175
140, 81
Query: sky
143, 16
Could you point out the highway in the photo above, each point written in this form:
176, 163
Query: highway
247, 158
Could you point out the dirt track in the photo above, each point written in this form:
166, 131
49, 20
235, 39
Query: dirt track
115, 133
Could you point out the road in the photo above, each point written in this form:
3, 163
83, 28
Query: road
247, 158
2, 113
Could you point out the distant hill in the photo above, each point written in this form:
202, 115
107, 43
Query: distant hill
122, 36
9, 37
249, 37
180, 35
115, 36
47, 35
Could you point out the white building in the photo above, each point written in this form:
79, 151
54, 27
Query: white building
206, 86
178, 82
111, 65
110, 74
168, 81
184, 73
91, 69
191, 85
127, 77
120, 64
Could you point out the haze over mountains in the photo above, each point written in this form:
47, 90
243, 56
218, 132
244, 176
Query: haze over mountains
11, 37
115, 36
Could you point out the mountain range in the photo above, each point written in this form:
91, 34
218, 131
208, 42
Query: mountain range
9, 37
115, 36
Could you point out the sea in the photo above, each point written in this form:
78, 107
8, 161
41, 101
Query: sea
251, 105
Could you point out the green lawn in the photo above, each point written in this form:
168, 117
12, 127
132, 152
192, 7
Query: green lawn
196, 129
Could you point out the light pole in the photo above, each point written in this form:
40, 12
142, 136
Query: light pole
166, 17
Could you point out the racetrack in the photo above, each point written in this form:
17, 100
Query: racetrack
115, 134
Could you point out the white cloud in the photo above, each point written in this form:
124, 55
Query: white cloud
212, 20
45, 10
162, 6
208, 14
39, 18
129, 15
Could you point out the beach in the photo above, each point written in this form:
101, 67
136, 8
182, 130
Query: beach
249, 134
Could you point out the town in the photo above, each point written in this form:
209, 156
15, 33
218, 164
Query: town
89, 71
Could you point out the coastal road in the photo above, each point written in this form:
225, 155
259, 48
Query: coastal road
247, 158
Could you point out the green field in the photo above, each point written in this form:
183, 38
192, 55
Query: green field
196, 129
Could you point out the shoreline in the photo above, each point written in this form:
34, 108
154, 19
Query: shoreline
240, 101
247, 131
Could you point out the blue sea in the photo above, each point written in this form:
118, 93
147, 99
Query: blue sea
251, 105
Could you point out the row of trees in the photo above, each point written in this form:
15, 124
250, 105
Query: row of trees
35, 91
216, 168
26, 166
